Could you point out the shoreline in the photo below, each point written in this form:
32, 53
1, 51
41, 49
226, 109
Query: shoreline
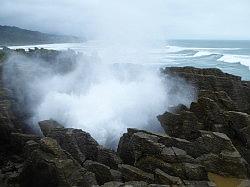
210, 136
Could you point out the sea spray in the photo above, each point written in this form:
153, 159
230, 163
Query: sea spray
102, 99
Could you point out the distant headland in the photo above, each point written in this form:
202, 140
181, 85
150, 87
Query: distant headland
11, 35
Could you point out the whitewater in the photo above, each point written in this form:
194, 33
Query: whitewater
229, 56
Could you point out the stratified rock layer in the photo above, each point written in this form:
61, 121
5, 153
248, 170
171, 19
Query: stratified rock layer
210, 136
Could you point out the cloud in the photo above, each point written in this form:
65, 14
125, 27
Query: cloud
175, 19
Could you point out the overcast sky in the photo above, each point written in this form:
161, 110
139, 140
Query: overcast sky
207, 19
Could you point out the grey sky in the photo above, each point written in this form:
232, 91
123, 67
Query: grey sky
208, 19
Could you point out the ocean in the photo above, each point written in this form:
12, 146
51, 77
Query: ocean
231, 56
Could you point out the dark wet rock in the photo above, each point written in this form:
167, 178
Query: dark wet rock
151, 163
226, 163
212, 136
178, 109
5, 132
124, 150
131, 173
9, 123
186, 171
108, 157
245, 134
183, 144
48, 125
101, 171
234, 123
208, 112
144, 144
183, 170
220, 97
213, 111
214, 142
182, 125
163, 178
116, 175
10, 174
77, 142
49, 165
215, 80
175, 155
190, 171
242, 144
29, 147
237, 120
18, 140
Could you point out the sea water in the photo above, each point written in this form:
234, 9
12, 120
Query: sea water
231, 56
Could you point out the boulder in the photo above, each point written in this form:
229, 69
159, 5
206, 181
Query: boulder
151, 163
214, 142
214, 80
175, 155
237, 120
225, 164
116, 175
144, 144
131, 173
10, 174
220, 97
124, 150
189, 171
178, 109
183, 170
101, 171
49, 165
185, 159
208, 112
190, 147
18, 140
29, 147
163, 178
183, 125
108, 157
48, 125
77, 142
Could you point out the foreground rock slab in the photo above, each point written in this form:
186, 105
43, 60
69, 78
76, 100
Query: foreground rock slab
49, 165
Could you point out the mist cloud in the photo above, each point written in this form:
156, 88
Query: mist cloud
180, 19
102, 99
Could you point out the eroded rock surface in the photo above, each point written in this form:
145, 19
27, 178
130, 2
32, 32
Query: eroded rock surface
210, 136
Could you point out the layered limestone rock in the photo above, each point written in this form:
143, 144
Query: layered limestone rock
210, 136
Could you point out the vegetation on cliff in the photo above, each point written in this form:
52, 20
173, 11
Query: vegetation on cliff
17, 36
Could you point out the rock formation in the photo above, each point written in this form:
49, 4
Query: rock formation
210, 136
